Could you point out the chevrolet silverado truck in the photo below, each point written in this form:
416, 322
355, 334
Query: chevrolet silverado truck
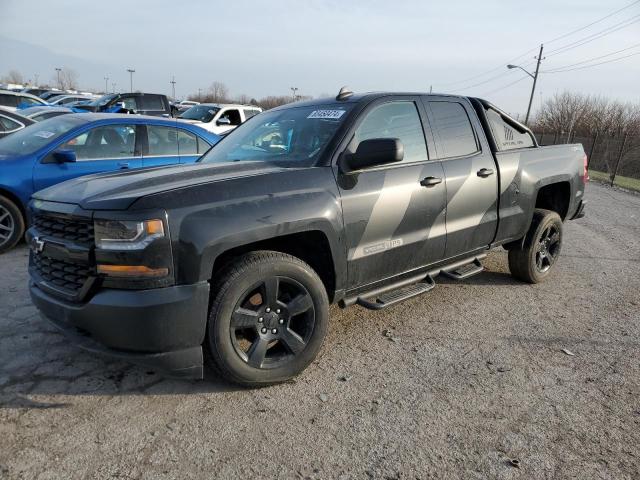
358, 199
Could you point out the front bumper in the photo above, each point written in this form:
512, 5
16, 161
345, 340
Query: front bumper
162, 329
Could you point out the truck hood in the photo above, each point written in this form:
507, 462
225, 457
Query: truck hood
118, 191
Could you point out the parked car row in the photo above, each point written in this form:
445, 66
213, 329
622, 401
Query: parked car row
41, 154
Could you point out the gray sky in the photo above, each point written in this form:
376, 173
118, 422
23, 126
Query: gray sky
263, 48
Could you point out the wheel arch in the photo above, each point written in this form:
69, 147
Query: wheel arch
311, 246
4, 192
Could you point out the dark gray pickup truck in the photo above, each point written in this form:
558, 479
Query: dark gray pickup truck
358, 199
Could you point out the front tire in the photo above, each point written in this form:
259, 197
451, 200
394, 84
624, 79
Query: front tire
268, 319
11, 224
534, 261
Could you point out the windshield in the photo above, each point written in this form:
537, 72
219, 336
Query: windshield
102, 101
36, 136
201, 113
295, 135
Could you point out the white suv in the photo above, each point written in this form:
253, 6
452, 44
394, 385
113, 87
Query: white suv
219, 118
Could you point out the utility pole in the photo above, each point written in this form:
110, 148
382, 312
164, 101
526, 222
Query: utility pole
35, 79
173, 86
106, 85
294, 90
113, 87
200, 95
58, 70
131, 72
533, 88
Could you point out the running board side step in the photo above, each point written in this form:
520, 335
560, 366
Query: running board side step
386, 299
464, 271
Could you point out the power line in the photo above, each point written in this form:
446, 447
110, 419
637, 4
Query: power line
492, 70
553, 70
595, 36
500, 75
596, 64
592, 23
504, 86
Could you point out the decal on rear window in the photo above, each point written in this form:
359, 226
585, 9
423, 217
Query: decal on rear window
333, 114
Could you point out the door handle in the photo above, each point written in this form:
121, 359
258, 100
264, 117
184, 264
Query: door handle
123, 164
430, 181
485, 172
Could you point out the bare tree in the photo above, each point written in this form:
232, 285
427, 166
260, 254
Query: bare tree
14, 76
218, 93
67, 79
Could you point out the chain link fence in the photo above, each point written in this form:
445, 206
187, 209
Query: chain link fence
611, 155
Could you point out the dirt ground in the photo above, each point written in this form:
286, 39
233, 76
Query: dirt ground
472, 381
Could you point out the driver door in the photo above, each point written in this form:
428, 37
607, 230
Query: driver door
393, 223
104, 148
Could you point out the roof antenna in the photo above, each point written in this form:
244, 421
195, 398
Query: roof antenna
344, 93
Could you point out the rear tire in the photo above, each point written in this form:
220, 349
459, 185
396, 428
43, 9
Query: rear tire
534, 261
11, 224
268, 319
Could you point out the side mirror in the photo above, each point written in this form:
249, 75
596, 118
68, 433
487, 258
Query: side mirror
223, 121
373, 152
65, 156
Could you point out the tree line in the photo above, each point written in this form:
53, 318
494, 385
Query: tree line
66, 79
218, 92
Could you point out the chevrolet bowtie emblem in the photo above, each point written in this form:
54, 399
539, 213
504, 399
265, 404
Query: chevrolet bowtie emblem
37, 245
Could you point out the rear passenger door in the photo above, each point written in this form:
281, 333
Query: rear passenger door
470, 171
393, 223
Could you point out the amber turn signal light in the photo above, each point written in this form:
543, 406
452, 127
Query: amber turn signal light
132, 271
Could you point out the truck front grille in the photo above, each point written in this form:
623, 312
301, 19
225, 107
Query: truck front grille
68, 276
78, 231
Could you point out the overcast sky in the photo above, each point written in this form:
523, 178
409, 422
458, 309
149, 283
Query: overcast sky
263, 48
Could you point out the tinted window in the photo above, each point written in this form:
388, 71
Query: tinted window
151, 102
395, 120
233, 116
105, 142
452, 128
187, 143
506, 136
8, 100
8, 124
162, 140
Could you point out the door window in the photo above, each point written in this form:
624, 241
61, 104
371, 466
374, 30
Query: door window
163, 141
233, 116
8, 124
452, 128
395, 120
129, 103
8, 100
187, 143
507, 136
105, 142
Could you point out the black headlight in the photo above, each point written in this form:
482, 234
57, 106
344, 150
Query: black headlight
133, 253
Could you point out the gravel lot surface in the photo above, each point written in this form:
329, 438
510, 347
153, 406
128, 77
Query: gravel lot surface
467, 381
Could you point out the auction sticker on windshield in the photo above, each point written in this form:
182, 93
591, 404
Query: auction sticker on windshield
333, 114
44, 134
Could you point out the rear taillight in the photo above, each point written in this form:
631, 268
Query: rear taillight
585, 173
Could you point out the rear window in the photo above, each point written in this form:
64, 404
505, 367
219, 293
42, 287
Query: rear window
452, 129
8, 100
506, 135
150, 102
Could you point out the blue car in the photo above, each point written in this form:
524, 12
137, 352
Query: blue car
73, 145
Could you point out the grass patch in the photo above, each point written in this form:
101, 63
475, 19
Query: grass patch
623, 182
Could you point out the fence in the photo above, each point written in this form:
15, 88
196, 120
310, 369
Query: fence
611, 155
